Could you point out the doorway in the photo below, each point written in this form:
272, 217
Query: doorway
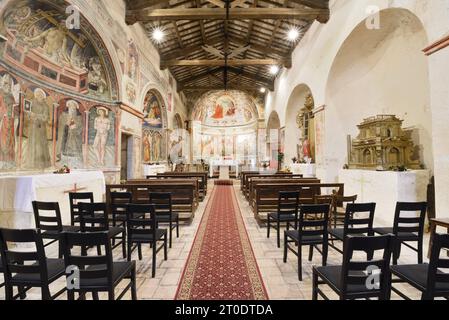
126, 157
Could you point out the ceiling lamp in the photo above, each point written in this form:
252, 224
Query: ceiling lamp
263, 90
274, 70
158, 35
3, 38
293, 34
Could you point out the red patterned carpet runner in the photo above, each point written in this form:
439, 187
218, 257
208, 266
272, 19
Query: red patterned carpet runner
221, 264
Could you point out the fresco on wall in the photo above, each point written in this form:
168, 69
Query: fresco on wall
9, 114
153, 130
70, 133
40, 44
225, 108
101, 137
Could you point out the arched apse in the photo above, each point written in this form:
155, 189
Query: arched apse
293, 134
379, 71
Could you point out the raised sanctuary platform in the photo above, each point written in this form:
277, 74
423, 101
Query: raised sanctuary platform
385, 188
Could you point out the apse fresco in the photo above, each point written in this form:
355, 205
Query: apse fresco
153, 133
53, 81
225, 108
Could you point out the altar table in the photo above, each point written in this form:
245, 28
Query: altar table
308, 170
153, 170
223, 163
18, 191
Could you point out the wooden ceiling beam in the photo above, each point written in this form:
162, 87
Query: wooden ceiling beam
143, 4
191, 49
317, 4
221, 62
147, 15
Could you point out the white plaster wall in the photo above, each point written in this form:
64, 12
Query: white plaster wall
314, 56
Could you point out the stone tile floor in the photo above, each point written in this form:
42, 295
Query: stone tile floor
281, 279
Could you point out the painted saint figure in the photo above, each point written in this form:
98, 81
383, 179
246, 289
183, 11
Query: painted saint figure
38, 117
7, 137
72, 129
146, 148
102, 126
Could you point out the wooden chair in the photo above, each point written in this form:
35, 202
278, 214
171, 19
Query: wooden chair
75, 198
26, 269
162, 202
407, 228
118, 204
429, 279
353, 279
288, 203
97, 273
359, 221
312, 231
142, 229
339, 209
47, 217
94, 218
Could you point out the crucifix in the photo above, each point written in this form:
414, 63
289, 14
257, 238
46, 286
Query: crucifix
75, 189
362, 182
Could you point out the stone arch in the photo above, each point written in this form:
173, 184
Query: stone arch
177, 122
371, 75
297, 101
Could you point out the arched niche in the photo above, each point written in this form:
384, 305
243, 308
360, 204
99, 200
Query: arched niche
299, 124
177, 122
379, 71
154, 127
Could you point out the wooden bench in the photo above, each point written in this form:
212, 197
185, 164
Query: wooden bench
200, 176
184, 194
280, 180
251, 176
266, 195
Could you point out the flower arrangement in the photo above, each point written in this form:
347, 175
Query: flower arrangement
64, 170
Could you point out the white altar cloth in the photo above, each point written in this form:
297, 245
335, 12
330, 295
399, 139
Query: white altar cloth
385, 188
223, 163
17, 192
152, 170
308, 170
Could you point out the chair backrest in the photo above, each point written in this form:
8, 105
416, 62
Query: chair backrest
141, 219
162, 202
314, 220
406, 218
75, 198
436, 276
93, 217
359, 219
362, 272
47, 216
323, 199
119, 202
31, 261
288, 202
100, 264
339, 200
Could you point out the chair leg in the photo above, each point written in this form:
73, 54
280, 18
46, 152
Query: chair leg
133, 284
9, 293
111, 294
45, 293
268, 226
310, 253
129, 249
299, 262
171, 233
420, 252
285, 247
325, 253
153, 263
60, 249
278, 233
124, 244
315, 286
165, 248
177, 228
70, 295
99, 250
139, 249
95, 295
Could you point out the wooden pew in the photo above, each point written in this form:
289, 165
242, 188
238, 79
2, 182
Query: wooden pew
280, 180
200, 176
266, 195
250, 177
242, 177
184, 193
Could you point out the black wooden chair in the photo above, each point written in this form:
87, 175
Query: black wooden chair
47, 217
75, 198
26, 269
97, 273
355, 278
288, 203
312, 231
338, 213
407, 227
142, 229
163, 205
430, 279
118, 206
94, 218
359, 221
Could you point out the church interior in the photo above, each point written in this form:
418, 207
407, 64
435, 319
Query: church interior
224, 149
